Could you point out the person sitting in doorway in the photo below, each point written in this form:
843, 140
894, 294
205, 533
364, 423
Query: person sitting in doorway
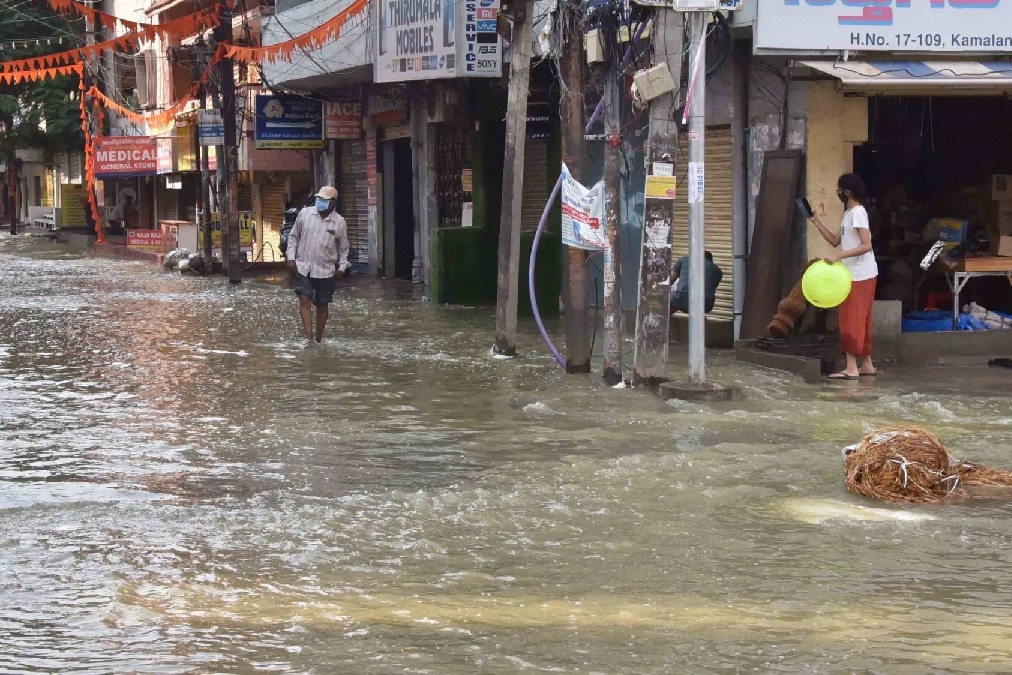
680, 284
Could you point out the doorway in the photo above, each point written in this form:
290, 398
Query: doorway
399, 215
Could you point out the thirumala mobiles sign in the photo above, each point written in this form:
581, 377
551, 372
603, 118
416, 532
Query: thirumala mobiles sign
885, 25
429, 39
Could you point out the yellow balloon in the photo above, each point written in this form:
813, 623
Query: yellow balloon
825, 285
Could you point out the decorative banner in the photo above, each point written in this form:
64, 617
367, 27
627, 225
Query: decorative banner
343, 121
582, 214
176, 28
287, 122
125, 156
314, 39
19, 76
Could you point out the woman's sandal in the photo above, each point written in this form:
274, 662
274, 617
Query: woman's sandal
844, 376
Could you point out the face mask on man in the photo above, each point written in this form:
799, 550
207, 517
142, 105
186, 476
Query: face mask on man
322, 205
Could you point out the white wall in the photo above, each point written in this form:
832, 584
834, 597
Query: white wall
353, 49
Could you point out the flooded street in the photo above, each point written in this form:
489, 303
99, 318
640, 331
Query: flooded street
184, 489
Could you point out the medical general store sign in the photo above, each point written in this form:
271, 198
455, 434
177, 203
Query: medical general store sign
126, 156
980, 26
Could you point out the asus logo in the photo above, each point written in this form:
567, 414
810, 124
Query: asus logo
486, 49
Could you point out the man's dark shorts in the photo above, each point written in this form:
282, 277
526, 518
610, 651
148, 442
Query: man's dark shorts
319, 291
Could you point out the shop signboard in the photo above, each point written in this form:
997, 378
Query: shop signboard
211, 129
72, 206
388, 106
370, 172
125, 156
343, 121
926, 26
245, 231
166, 154
146, 240
288, 122
425, 40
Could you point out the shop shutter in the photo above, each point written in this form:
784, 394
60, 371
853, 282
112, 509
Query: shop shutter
719, 226
75, 169
272, 214
352, 200
536, 187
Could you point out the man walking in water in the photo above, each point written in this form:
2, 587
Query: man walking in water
318, 257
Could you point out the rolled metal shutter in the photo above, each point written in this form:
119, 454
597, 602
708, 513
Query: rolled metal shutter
536, 187
352, 198
719, 226
272, 214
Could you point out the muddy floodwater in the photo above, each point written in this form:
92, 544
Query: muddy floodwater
184, 489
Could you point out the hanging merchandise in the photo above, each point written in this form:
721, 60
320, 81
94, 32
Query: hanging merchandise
314, 39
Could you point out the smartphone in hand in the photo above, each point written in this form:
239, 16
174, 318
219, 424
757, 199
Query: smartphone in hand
805, 207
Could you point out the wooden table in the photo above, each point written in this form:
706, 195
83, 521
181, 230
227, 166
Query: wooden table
971, 268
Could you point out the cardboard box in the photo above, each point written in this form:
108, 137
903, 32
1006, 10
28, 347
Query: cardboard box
1005, 247
949, 230
1001, 187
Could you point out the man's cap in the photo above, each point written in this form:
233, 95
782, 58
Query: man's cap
327, 192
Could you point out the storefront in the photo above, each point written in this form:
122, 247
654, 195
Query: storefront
125, 167
918, 106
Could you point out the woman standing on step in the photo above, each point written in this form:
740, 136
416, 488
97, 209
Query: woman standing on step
855, 251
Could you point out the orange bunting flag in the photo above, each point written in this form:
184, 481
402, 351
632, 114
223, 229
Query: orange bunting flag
202, 20
314, 39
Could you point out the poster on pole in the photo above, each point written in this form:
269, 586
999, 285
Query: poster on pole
582, 214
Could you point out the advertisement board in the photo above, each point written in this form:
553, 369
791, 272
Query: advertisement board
245, 231
125, 156
210, 129
343, 121
582, 214
288, 122
72, 199
926, 26
426, 39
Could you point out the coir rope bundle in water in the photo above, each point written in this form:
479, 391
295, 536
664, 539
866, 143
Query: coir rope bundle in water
909, 465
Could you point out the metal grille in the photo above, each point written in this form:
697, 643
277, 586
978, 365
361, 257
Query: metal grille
453, 155
719, 225
352, 200
536, 187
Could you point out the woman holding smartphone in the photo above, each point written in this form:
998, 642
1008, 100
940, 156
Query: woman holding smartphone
855, 251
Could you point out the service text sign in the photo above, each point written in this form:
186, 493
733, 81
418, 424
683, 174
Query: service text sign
885, 25
430, 39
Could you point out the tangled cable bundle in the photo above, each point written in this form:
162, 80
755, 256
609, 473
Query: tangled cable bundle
909, 465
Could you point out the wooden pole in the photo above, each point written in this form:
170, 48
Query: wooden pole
507, 280
612, 371
574, 154
653, 316
204, 161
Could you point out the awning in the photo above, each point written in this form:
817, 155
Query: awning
925, 78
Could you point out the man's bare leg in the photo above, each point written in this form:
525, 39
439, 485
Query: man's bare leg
306, 313
322, 312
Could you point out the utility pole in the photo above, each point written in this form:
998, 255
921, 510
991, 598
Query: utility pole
507, 280
653, 314
204, 160
697, 182
613, 324
574, 155
228, 160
